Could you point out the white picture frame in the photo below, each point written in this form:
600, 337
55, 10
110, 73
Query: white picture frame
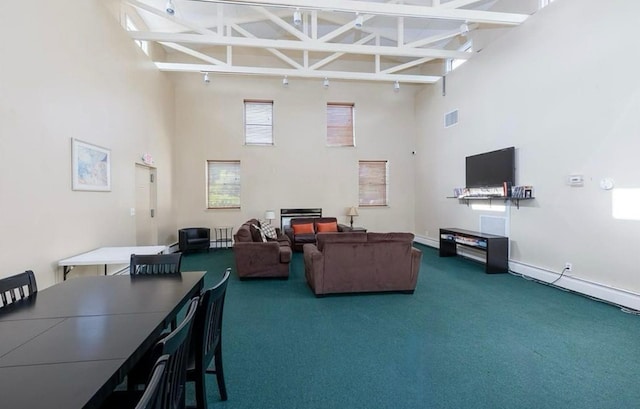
90, 167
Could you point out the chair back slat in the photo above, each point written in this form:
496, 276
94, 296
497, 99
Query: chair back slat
176, 345
155, 263
208, 322
14, 287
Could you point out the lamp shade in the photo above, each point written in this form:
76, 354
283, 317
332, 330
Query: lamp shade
270, 215
353, 211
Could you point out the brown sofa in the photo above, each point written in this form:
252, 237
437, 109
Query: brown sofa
256, 258
362, 262
299, 240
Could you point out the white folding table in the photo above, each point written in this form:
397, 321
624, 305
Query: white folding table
106, 256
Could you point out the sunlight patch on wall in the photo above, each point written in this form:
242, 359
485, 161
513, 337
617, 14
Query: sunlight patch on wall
626, 204
488, 207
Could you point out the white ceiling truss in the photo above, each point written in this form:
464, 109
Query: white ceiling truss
258, 37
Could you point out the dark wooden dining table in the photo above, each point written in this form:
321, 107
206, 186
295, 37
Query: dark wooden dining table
70, 345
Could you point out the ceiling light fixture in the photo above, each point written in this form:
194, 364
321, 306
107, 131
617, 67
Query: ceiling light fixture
396, 86
359, 20
297, 17
325, 83
285, 81
170, 8
206, 78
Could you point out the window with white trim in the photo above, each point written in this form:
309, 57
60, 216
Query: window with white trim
223, 184
258, 122
545, 3
373, 178
453, 63
340, 120
130, 26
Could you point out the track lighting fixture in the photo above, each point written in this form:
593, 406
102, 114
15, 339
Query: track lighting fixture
359, 20
396, 86
325, 83
285, 81
170, 8
206, 78
297, 17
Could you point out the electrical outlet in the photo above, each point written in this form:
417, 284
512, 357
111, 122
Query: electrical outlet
568, 267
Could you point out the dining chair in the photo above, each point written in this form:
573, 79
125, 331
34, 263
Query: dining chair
151, 395
172, 394
206, 342
155, 263
13, 288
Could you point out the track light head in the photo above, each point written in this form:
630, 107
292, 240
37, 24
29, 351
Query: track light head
170, 8
285, 81
396, 86
297, 17
359, 20
206, 78
464, 29
325, 83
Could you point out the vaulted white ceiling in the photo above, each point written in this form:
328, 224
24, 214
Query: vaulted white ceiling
354, 40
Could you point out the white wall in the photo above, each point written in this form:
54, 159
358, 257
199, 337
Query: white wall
299, 171
69, 71
563, 89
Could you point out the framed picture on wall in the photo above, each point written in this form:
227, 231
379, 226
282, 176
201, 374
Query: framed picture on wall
90, 167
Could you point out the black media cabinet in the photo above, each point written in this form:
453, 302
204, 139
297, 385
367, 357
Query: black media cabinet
495, 247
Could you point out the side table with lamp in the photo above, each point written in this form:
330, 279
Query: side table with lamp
353, 211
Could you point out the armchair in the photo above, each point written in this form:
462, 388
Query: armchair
194, 238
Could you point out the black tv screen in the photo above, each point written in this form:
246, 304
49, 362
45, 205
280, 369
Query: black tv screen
491, 169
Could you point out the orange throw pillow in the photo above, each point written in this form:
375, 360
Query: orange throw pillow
327, 227
306, 228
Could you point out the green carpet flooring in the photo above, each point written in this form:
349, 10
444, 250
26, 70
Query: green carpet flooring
464, 339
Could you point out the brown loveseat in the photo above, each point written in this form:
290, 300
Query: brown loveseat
362, 262
256, 258
300, 239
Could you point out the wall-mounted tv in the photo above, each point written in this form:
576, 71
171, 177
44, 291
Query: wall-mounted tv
491, 169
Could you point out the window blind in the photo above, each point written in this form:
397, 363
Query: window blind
258, 122
340, 124
223, 184
372, 183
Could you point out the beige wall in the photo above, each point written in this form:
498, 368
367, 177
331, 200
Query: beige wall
568, 100
564, 97
299, 171
69, 71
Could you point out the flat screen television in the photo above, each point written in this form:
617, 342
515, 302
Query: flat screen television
491, 169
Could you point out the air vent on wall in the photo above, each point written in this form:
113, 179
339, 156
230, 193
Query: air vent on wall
450, 118
493, 225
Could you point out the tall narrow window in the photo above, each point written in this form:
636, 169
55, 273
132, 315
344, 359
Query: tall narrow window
223, 184
258, 122
545, 3
373, 183
130, 26
452, 64
340, 124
